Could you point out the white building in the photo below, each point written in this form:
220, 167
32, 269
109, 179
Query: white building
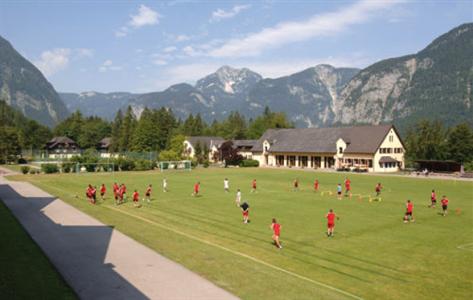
206, 143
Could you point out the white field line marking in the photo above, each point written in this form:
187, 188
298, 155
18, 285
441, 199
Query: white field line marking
237, 253
468, 247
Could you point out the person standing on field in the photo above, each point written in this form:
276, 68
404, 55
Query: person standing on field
276, 227
347, 187
253, 186
316, 185
136, 198
238, 198
296, 185
196, 189
330, 216
165, 185
103, 190
444, 205
409, 217
433, 199
339, 191
148, 193
245, 208
378, 189
226, 185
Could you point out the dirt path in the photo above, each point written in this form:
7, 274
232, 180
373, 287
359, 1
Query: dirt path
97, 261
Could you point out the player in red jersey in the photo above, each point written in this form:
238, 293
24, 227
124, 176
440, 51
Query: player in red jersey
116, 190
103, 190
409, 217
148, 193
245, 208
296, 185
123, 192
136, 198
444, 205
196, 189
347, 186
433, 199
94, 194
88, 193
331, 222
253, 186
276, 233
378, 189
316, 185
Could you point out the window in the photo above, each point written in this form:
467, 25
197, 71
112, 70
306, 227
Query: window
265, 148
391, 138
370, 163
340, 150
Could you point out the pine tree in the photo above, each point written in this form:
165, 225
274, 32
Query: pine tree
460, 143
116, 131
129, 124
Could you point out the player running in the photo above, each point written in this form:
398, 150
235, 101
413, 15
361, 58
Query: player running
408, 217
347, 187
444, 205
433, 199
123, 192
253, 186
88, 193
316, 185
226, 185
245, 208
330, 216
116, 191
238, 198
196, 189
295, 185
339, 191
103, 190
165, 185
136, 198
378, 189
276, 233
148, 193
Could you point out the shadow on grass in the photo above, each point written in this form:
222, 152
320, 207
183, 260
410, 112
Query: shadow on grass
78, 252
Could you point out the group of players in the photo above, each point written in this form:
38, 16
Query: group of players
119, 192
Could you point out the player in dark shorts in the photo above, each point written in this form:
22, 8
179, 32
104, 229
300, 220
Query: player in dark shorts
377, 189
296, 185
444, 205
330, 216
433, 199
148, 193
347, 187
253, 186
103, 190
88, 193
339, 191
245, 208
409, 217
136, 198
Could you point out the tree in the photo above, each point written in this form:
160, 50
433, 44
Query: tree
266, 121
146, 135
71, 126
177, 145
9, 144
116, 131
427, 140
127, 128
229, 154
460, 143
92, 131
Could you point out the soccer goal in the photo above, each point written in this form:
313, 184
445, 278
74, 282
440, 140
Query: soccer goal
175, 165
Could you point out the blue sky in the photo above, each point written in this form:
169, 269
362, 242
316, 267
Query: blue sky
143, 46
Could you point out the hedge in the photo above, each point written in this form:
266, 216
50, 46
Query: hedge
49, 168
249, 163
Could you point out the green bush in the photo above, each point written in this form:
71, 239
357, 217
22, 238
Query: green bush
249, 163
206, 164
164, 165
25, 169
143, 165
49, 168
34, 171
67, 167
22, 160
468, 166
126, 164
194, 163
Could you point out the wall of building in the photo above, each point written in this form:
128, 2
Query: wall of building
391, 141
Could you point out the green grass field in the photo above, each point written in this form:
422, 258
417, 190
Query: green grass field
373, 255
25, 272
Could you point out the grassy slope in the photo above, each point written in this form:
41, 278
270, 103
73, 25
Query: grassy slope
25, 272
373, 255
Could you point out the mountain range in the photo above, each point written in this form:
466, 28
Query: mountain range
434, 83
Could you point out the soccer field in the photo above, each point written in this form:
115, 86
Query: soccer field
373, 254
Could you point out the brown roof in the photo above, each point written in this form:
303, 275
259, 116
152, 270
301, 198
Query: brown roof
105, 143
360, 139
209, 141
61, 140
244, 143
387, 159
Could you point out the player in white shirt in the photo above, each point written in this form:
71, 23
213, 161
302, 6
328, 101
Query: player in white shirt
238, 198
226, 185
165, 185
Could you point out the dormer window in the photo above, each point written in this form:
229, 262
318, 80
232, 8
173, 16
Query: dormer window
265, 148
340, 150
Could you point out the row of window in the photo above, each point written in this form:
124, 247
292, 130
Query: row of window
357, 162
390, 150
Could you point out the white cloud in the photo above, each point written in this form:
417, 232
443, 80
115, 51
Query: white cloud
190, 51
108, 65
220, 14
169, 49
53, 61
160, 62
145, 16
84, 52
326, 24
182, 38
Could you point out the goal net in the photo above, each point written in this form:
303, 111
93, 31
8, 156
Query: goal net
175, 165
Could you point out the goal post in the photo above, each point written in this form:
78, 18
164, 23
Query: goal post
175, 165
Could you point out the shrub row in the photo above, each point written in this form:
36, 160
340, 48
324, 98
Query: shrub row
249, 163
